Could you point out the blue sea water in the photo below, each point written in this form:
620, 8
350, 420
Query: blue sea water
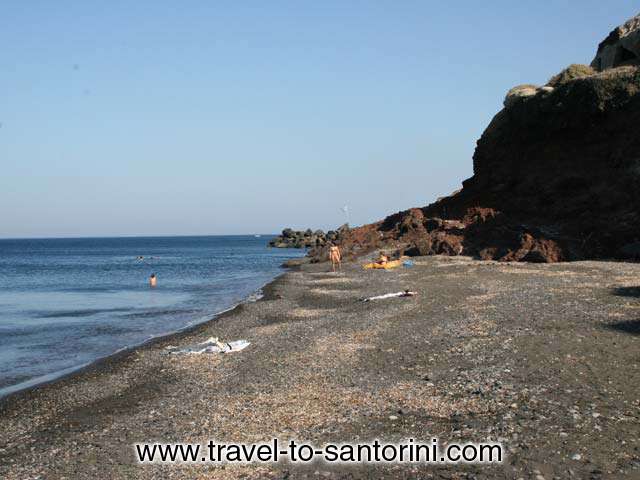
67, 302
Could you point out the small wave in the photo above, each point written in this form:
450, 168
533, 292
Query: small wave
255, 296
78, 313
6, 332
154, 313
96, 289
112, 330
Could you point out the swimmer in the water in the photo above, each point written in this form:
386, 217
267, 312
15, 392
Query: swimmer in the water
153, 281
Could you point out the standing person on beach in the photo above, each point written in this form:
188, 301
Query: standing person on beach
335, 257
153, 281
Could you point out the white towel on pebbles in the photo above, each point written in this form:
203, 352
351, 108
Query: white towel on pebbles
213, 345
406, 293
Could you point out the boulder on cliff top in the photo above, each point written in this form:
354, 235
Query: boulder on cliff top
621, 47
573, 71
519, 92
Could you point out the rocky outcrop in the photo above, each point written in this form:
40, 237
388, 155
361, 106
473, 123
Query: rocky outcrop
566, 165
519, 92
621, 47
306, 238
298, 239
572, 72
556, 177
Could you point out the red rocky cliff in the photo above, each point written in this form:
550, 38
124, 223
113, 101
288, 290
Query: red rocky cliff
556, 177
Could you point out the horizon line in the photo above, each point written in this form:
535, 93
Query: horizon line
87, 237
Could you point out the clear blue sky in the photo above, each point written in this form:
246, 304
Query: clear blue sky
216, 117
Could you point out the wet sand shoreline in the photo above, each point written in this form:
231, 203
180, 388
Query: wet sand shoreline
543, 358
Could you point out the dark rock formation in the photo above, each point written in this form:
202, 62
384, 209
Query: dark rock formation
306, 239
299, 239
556, 177
621, 47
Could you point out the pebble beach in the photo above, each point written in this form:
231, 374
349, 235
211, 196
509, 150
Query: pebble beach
543, 358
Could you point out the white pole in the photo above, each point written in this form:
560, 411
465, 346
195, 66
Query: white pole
345, 209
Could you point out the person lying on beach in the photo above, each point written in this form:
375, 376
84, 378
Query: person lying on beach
335, 257
382, 259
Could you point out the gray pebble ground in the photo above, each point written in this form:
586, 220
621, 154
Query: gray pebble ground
543, 358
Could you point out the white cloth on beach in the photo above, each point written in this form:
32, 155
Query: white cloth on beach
390, 295
213, 345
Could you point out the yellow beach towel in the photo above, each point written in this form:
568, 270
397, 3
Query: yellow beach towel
386, 266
